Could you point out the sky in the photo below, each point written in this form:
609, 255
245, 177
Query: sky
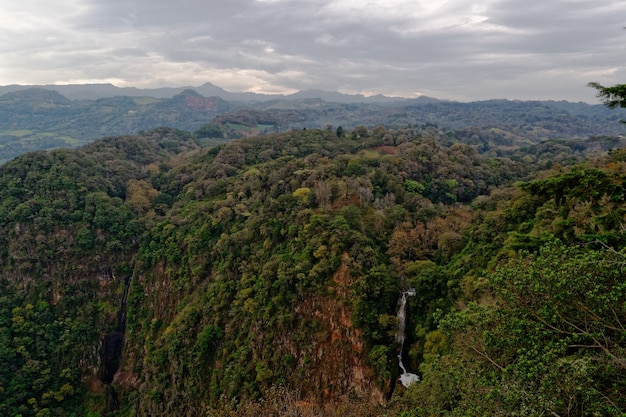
461, 50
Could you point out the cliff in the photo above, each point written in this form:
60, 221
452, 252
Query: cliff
145, 275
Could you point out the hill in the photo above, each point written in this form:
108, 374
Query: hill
41, 118
146, 275
98, 91
38, 119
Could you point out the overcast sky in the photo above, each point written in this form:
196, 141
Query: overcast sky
449, 49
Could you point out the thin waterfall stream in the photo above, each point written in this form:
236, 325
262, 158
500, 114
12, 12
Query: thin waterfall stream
406, 378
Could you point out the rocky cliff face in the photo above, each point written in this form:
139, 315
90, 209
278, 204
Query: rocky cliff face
339, 361
218, 342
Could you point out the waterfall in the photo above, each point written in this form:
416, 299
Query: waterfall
406, 378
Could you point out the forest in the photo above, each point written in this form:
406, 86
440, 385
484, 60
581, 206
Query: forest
155, 274
41, 118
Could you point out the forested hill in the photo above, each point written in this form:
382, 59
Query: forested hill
41, 119
146, 275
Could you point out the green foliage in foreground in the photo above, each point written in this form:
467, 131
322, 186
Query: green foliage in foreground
266, 274
542, 331
553, 343
39, 353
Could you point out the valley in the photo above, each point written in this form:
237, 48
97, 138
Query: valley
311, 270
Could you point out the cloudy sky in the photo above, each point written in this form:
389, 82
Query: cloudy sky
449, 49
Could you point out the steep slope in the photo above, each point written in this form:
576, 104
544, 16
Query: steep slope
281, 262
540, 324
274, 260
69, 229
143, 275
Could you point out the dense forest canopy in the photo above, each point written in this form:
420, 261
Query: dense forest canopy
153, 275
42, 118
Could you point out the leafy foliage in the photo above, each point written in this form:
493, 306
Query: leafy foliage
276, 263
552, 344
40, 119
612, 97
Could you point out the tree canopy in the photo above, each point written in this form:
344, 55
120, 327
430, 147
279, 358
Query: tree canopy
612, 97
272, 266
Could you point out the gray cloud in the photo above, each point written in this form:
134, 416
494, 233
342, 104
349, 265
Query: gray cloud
530, 49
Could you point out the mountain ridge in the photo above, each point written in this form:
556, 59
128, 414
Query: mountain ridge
96, 91
40, 118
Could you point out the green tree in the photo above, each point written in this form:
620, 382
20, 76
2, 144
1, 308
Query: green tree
612, 97
209, 131
553, 344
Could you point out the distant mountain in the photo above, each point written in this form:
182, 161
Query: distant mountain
35, 96
40, 119
49, 117
97, 91
336, 97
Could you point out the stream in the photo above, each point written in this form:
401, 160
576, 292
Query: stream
406, 378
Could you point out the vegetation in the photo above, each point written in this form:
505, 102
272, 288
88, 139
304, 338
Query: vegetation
262, 276
41, 119
612, 97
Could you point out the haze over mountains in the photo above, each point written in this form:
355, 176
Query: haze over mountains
68, 116
97, 91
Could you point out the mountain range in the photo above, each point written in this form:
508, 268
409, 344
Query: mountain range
97, 91
68, 116
198, 256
